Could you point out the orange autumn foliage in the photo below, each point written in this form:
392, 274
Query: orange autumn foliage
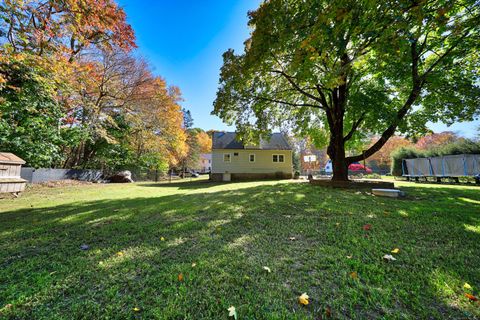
383, 156
204, 142
436, 139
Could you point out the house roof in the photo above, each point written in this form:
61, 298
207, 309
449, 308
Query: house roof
227, 140
6, 157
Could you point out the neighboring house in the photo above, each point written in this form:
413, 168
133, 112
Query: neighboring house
231, 160
204, 164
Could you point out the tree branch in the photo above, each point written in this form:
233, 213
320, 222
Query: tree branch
296, 86
290, 103
354, 128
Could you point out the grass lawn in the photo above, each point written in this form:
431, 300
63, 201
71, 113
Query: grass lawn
142, 236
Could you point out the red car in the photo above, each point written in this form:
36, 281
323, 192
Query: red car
359, 167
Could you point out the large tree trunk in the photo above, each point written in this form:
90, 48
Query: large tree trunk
336, 152
336, 147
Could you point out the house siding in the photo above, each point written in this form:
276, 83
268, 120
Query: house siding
241, 167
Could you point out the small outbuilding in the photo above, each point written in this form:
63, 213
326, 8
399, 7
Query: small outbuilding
10, 180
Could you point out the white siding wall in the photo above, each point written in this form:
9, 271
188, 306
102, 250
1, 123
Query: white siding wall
241, 164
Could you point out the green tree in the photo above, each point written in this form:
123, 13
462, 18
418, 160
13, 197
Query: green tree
30, 116
348, 69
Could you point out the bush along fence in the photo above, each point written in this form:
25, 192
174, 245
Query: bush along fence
449, 166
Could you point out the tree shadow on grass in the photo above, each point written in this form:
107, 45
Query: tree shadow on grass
230, 236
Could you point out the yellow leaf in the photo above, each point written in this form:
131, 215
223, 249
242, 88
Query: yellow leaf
349, 257
396, 250
162, 239
119, 253
467, 286
267, 269
194, 265
180, 277
354, 275
303, 299
136, 309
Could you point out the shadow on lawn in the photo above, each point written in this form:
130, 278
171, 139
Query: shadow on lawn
231, 234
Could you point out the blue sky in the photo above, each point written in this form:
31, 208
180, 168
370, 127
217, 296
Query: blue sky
184, 42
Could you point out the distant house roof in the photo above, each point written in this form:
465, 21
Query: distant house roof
227, 140
6, 157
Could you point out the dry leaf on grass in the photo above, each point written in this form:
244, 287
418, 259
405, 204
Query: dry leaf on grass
232, 312
354, 275
180, 277
466, 286
267, 269
389, 257
328, 312
471, 297
136, 309
194, 265
396, 250
367, 227
303, 299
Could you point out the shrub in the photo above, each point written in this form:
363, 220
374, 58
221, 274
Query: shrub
403, 153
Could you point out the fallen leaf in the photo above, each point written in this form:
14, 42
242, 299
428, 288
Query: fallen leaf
232, 312
180, 277
337, 224
292, 238
349, 257
396, 250
328, 312
162, 239
466, 286
367, 227
267, 269
354, 275
389, 257
119, 253
136, 309
303, 299
471, 297
194, 265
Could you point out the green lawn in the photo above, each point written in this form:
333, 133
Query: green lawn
231, 231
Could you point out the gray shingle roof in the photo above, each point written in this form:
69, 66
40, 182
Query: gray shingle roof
227, 140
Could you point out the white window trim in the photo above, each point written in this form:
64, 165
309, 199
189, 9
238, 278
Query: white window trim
278, 158
254, 158
230, 157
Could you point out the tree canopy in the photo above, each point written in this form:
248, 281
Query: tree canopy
74, 94
341, 70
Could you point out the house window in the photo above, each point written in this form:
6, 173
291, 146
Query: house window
227, 157
251, 157
278, 158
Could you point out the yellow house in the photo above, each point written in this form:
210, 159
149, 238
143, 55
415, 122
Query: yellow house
231, 160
